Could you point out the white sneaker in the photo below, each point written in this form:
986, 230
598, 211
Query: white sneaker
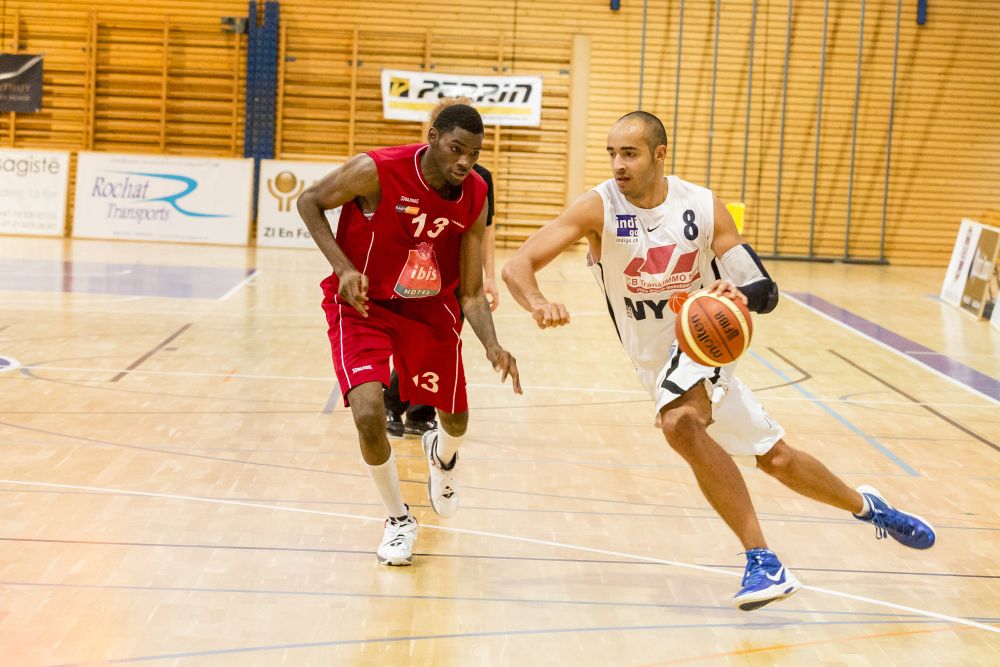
397, 541
442, 482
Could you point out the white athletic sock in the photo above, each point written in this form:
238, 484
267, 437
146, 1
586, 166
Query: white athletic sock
447, 446
386, 480
866, 509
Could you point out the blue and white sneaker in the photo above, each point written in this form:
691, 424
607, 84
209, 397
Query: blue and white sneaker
907, 529
765, 580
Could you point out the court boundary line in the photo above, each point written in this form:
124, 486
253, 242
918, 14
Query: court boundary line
240, 285
478, 385
937, 413
920, 364
511, 538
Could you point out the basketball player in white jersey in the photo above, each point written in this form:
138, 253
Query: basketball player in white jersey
652, 237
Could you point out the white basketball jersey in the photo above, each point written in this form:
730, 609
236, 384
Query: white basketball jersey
648, 254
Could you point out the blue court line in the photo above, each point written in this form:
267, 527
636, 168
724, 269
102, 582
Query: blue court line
726, 609
472, 598
331, 401
843, 420
497, 633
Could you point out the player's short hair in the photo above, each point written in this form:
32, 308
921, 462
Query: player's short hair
655, 133
459, 116
444, 103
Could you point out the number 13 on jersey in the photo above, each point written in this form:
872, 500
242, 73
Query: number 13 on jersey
430, 381
438, 223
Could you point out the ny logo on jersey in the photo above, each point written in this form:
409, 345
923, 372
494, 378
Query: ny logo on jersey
636, 310
660, 271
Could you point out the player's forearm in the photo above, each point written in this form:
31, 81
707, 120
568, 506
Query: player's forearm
322, 235
489, 261
520, 279
476, 309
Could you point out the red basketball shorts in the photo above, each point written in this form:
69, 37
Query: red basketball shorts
423, 337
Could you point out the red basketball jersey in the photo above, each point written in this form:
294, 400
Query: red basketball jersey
410, 246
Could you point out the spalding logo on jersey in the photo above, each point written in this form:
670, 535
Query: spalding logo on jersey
421, 276
406, 205
657, 273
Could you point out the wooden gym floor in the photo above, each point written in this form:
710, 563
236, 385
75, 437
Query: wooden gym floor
180, 484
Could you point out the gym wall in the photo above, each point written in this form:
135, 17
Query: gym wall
161, 76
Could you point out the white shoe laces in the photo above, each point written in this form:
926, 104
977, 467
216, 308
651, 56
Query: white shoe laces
447, 490
399, 538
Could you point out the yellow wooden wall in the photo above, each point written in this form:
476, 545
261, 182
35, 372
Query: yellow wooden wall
110, 84
329, 106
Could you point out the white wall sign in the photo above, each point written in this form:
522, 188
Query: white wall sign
33, 191
971, 282
163, 198
501, 100
962, 255
281, 183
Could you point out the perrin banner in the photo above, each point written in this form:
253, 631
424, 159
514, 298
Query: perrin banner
163, 198
501, 100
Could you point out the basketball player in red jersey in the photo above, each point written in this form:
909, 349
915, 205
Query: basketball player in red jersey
410, 232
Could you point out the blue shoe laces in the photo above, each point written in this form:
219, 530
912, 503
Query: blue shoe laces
888, 519
755, 569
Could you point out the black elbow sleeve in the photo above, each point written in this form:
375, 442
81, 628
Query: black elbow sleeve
762, 295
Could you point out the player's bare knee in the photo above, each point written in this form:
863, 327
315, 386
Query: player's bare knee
776, 461
371, 425
682, 426
454, 424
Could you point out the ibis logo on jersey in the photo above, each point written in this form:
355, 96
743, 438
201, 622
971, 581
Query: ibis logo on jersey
662, 270
421, 276
408, 205
627, 230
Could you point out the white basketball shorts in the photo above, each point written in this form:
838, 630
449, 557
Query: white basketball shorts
740, 424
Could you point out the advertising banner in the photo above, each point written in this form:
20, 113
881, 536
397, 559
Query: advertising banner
33, 188
995, 316
20, 83
163, 198
281, 183
981, 282
501, 100
961, 259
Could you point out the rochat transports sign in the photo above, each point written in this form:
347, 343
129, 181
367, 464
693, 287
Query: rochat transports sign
163, 198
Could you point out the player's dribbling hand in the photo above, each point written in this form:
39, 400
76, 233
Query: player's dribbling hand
505, 364
726, 288
550, 315
354, 291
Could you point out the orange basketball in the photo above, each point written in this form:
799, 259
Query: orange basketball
713, 330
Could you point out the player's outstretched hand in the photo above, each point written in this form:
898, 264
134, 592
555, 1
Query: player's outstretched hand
505, 363
726, 288
550, 315
354, 291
